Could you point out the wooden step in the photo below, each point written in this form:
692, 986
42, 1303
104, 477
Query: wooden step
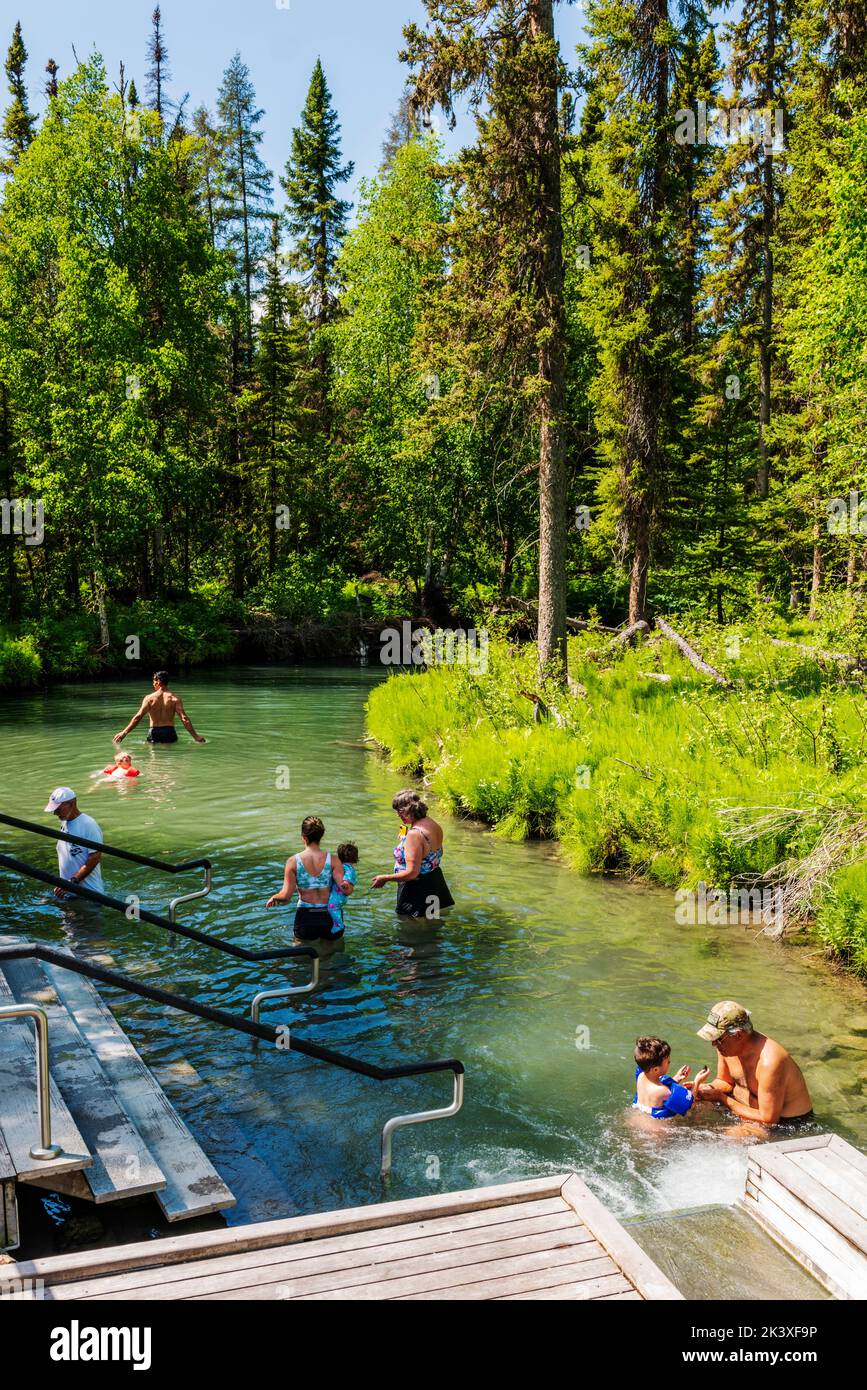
19, 1108
811, 1194
193, 1186
122, 1165
8, 1202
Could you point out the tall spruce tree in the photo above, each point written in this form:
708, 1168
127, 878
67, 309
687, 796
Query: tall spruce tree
817, 435
282, 411
158, 73
505, 56
315, 214
634, 301
51, 85
18, 124
245, 194
750, 193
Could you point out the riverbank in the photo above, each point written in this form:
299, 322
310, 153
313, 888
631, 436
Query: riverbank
740, 797
328, 622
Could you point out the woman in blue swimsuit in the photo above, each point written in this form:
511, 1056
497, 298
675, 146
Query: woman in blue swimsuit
422, 890
311, 874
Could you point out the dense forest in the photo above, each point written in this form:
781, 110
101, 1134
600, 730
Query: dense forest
608, 360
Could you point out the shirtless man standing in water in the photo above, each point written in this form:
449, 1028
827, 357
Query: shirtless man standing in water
756, 1078
161, 709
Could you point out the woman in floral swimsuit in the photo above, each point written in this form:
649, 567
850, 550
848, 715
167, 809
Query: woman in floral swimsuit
422, 890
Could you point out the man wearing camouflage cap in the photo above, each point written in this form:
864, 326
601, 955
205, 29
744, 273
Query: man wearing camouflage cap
756, 1078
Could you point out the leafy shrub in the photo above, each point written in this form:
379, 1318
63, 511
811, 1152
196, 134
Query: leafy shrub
20, 662
841, 920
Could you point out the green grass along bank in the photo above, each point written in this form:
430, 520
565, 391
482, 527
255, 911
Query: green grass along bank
647, 769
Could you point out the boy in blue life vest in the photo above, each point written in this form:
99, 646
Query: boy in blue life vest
658, 1094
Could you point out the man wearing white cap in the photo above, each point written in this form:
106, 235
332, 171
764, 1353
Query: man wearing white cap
78, 864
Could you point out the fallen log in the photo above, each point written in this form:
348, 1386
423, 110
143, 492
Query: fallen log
628, 633
692, 656
531, 610
852, 662
656, 676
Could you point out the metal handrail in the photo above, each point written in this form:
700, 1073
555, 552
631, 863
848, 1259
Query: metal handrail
420, 1118
129, 855
143, 914
279, 1036
190, 897
267, 995
45, 1150
165, 923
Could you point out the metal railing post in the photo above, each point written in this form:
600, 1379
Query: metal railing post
420, 1118
269, 994
190, 897
45, 1151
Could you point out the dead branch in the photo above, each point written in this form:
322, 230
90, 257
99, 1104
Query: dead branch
692, 656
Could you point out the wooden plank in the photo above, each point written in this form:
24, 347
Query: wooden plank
849, 1152
193, 1185
368, 1247
9, 1231
784, 1146
832, 1171
358, 1269
838, 1215
799, 1244
7, 1167
57, 1269
464, 1277
820, 1233
542, 1285
608, 1288
19, 1108
122, 1165
638, 1267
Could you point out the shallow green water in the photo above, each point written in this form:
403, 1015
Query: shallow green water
531, 955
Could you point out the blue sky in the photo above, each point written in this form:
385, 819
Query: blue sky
358, 42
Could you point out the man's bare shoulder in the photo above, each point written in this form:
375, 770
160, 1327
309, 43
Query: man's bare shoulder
772, 1055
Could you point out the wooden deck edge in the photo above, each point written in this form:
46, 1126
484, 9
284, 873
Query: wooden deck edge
849, 1153
846, 1222
748, 1204
62, 1269
784, 1146
637, 1266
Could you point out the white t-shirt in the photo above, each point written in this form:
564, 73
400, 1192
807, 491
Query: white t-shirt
73, 858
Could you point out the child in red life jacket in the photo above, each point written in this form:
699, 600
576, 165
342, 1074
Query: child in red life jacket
121, 767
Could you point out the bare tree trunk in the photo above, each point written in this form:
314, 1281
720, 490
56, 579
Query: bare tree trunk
640, 567
507, 556
765, 370
99, 594
818, 576
6, 447
552, 371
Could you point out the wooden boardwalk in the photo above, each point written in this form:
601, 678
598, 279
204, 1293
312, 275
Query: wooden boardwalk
548, 1238
811, 1195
